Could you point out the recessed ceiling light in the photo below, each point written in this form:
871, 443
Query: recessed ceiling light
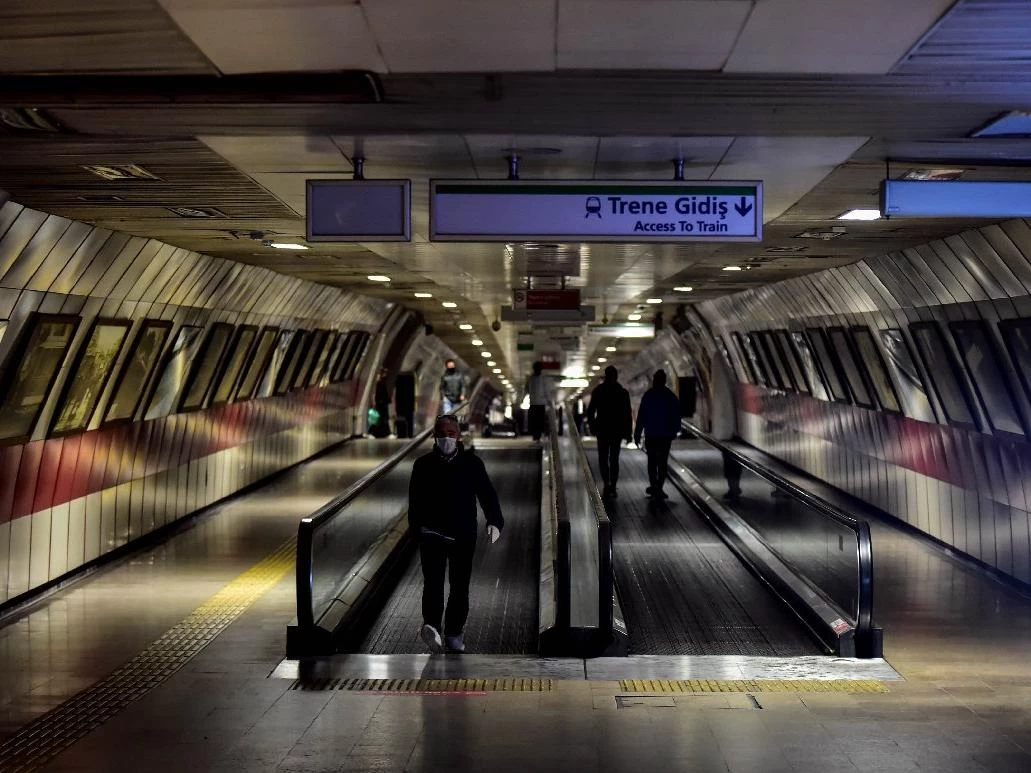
595, 367
861, 214
491, 364
488, 355
602, 359
655, 300
497, 370
633, 317
683, 289
449, 305
378, 278
477, 342
424, 295
287, 246
465, 326
610, 348
732, 268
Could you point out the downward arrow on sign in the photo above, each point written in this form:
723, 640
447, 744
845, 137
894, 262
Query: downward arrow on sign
744, 207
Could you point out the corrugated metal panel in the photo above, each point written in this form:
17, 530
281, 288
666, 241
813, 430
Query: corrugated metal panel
975, 37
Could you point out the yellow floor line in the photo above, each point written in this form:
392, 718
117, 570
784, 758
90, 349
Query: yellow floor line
47, 736
752, 685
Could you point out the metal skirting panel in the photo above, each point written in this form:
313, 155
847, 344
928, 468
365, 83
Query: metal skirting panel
503, 596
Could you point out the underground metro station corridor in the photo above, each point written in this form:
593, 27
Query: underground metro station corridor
265, 263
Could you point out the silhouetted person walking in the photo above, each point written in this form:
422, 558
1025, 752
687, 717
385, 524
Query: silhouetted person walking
446, 484
539, 392
659, 419
611, 422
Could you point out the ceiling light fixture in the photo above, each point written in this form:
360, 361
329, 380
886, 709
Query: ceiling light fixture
595, 367
449, 305
477, 342
287, 246
497, 370
465, 326
732, 268
574, 383
633, 317
683, 289
378, 278
655, 300
861, 214
610, 348
491, 364
424, 295
487, 355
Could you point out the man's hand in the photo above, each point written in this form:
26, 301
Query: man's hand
494, 533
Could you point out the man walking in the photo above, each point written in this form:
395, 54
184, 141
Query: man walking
537, 389
452, 388
446, 484
611, 422
659, 419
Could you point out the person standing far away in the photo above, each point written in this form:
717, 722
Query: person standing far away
612, 423
381, 401
659, 419
445, 486
539, 392
452, 388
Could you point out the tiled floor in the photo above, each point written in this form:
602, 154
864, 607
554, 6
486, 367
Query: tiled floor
960, 640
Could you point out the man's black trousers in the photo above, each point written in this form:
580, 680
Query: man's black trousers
454, 558
608, 459
658, 460
538, 420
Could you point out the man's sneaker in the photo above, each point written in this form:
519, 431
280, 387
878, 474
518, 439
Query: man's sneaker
431, 636
455, 644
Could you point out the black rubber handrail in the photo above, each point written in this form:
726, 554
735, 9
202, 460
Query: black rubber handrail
310, 525
864, 625
563, 538
605, 578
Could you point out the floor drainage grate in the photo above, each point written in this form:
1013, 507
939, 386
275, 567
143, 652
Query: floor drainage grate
425, 686
752, 685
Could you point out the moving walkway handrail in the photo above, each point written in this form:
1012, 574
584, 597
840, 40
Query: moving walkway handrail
864, 622
311, 524
605, 577
563, 544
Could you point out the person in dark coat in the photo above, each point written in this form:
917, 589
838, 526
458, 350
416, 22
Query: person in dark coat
659, 419
445, 486
381, 400
611, 422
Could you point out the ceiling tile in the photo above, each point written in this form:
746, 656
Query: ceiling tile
651, 158
464, 35
278, 36
652, 35
832, 36
280, 153
788, 166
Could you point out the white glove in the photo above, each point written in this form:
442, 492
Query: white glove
494, 533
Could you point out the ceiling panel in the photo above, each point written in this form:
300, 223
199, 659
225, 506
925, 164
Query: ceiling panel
832, 36
285, 153
789, 166
464, 35
100, 36
540, 157
285, 36
656, 34
652, 157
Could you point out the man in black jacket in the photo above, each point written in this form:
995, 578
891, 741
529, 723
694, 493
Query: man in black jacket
445, 486
612, 423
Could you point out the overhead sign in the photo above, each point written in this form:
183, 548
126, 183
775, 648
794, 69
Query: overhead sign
359, 210
592, 211
907, 198
545, 299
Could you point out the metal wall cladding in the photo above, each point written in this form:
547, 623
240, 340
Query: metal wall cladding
968, 487
65, 501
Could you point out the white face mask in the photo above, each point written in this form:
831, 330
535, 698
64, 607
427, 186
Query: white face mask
447, 445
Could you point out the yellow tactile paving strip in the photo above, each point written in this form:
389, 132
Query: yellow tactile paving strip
752, 685
47, 736
427, 685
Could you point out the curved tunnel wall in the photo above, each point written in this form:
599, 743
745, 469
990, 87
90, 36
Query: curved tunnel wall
74, 489
929, 351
